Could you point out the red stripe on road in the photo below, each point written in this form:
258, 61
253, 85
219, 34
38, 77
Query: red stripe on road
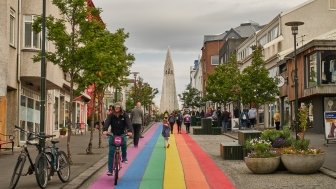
214, 175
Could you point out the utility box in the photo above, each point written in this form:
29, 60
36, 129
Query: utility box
244, 135
231, 151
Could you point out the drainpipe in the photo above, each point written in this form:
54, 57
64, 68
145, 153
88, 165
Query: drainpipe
18, 66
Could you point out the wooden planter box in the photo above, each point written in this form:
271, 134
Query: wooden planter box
246, 135
231, 151
63, 132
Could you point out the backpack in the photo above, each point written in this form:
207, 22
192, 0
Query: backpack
187, 119
171, 119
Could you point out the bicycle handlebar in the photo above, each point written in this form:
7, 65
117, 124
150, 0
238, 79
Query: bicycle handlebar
38, 136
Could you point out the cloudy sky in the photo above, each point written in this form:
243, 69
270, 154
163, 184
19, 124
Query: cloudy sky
155, 25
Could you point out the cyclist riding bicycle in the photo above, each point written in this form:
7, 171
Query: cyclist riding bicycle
120, 123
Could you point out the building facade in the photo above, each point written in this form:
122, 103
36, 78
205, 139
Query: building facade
276, 40
20, 76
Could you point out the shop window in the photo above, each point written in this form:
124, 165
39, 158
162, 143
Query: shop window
56, 114
328, 67
330, 104
311, 70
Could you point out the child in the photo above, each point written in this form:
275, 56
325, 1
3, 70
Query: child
166, 131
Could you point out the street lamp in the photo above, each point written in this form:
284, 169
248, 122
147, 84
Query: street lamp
295, 28
135, 76
43, 77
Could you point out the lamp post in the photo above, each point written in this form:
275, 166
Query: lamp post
43, 77
295, 28
135, 87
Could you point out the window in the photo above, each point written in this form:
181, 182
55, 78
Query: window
312, 70
56, 113
332, 4
263, 40
273, 34
214, 60
31, 39
328, 67
12, 27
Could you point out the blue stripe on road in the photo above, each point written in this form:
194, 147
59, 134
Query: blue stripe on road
133, 176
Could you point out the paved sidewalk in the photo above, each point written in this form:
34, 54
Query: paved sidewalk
318, 141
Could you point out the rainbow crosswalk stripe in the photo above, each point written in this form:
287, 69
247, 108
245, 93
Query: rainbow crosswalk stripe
183, 165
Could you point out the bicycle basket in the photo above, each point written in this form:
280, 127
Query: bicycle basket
117, 140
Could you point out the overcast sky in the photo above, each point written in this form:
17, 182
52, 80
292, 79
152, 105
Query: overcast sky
154, 25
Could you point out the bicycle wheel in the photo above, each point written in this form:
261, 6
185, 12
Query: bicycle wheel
41, 170
117, 160
64, 167
17, 170
51, 169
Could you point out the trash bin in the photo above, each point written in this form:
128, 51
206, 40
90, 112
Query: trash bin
198, 121
193, 121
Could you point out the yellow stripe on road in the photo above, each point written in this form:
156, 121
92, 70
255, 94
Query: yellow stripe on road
173, 175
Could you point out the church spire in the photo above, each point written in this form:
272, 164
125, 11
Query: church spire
168, 97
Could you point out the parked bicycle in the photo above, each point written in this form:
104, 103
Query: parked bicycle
58, 162
117, 165
46, 163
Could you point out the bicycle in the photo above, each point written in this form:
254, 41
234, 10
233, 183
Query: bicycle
41, 163
117, 142
58, 161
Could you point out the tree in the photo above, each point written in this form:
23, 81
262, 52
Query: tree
144, 93
223, 84
257, 87
191, 97
68, 42
106, 63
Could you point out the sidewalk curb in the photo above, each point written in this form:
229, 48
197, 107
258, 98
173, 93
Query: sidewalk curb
78, 181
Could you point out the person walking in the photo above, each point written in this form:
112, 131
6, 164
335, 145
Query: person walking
186, 121
252, 114
137, 118
179, 120
225, 120
276, 118
119, 122
219, 116
244, 119
171, 120
166, 132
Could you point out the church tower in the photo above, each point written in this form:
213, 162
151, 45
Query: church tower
168, 96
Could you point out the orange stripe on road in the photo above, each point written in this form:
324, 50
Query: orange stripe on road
213, 174
193, 174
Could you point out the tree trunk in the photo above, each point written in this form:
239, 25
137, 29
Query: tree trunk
92, 124
100, 117
72, 119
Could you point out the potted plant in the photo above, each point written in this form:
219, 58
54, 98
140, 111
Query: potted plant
299, 157
63, 130
262, 158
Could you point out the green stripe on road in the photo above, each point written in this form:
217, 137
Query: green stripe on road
153, 177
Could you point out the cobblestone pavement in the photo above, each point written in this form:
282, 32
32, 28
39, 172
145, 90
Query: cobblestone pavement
243, 178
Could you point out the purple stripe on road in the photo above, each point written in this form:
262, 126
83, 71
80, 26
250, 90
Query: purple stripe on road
107, 182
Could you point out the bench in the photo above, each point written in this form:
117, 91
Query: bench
231, 151
6, 139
